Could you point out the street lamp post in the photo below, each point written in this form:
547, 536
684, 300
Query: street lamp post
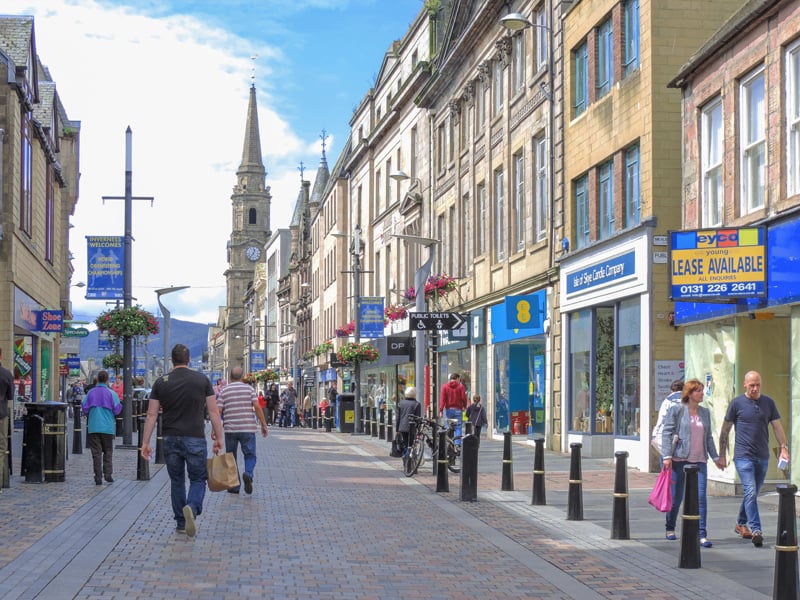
166, 313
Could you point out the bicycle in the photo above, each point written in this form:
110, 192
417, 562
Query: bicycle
453, 449
415, 453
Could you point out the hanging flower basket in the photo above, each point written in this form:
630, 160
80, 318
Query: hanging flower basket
323, 348
436, 287
353, 353
346, 330
395, 312
267, 375
249, 378
308, 355
127, 322
113, 361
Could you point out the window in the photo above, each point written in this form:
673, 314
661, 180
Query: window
388, 188
580, 89
711, 163
629, 319
518, 64
541, 31
630, 19
413, 157
541, 200
466, 233
606, 199
483, 223
605, 58
463, 125
252, 217
793, 119
49, 214
633, 201
440, 233
580, 346
26, 176
441, 147
752, 132
499, 217
581, 212
378, 190
452, 247
480, 108
451, 138
498, 86
518, 207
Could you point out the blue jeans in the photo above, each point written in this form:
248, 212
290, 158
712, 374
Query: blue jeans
184, 455
455, 414
752, 473
678, 487
248, 442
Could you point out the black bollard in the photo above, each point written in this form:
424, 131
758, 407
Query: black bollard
77, 432
314, 416
442, 484
538, 496
136, 411
469, 469
785, 582
575, 497
382, 424
389, 426
507, 483
118, 431
619, 520
328, 419
374, 422
33, 449
159, 441
435, 450
690, 529
142, 465
6, 482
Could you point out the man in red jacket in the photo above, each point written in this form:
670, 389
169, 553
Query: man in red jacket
453, 401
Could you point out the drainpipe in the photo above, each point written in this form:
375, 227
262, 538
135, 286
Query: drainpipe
2, 211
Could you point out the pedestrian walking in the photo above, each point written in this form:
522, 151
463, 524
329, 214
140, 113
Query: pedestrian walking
239, 409
101, 405
6, 396
476, 415
407, 407
453, 402
692, 424
751, 413
273, 400
183, 396
289, 405
307, 404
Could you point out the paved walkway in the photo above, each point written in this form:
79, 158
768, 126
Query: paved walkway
332, 517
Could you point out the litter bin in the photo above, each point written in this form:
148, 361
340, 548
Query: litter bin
346, 412
53, 441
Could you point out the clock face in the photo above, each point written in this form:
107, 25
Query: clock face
253, 252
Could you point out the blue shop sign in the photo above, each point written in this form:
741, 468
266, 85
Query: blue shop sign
501, 332
602, 273
50, 321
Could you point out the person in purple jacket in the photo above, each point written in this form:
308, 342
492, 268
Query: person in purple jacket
102, 405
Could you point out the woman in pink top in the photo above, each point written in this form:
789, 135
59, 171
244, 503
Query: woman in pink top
692, 424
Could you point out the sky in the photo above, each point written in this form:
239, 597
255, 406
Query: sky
178, 73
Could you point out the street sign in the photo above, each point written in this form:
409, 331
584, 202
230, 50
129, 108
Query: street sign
76, 332
435, 321
400, 345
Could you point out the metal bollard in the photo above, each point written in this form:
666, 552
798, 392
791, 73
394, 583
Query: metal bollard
620, 529
160, 460
374, 422
435, 450
314, 416
507, 483
469, 469
575, 497
77, 432
142, 465
136, 411
785, 582
442, 484
389, 426
690, 529
328, 419
118, 430
6, 479
382, 424
538, 495
33, 449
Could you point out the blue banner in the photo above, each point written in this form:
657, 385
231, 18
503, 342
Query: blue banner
104, 343
50, 321
139, 367
371, 315
105, 261
258, 360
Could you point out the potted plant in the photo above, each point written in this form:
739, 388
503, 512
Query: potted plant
353, 353
127, 322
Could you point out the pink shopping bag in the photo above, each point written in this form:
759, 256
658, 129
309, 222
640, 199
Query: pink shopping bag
661, 496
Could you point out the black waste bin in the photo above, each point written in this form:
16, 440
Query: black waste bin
346, 412
53, 440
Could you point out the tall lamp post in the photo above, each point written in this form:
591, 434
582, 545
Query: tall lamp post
166, 314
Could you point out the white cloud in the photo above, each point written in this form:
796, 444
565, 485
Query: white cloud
182, 87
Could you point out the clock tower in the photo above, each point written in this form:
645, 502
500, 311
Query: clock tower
250, 231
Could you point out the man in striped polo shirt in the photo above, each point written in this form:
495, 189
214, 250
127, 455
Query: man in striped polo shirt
239, 407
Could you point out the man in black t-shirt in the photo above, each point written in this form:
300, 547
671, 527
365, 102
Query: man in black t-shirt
751, 413
183, 396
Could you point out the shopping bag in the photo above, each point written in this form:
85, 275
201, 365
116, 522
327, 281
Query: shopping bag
661, 496
398, 447
222, 472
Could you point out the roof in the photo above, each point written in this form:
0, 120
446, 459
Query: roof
16, 35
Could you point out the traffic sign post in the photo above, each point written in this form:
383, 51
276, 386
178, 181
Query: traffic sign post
435, 321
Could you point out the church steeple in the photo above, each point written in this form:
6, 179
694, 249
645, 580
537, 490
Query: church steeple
251, 153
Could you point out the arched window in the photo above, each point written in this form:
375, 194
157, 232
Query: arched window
252, 217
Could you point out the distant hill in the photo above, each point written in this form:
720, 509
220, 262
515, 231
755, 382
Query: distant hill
193, 335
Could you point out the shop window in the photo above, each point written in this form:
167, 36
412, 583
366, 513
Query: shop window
628, 368
580, 332
752, 132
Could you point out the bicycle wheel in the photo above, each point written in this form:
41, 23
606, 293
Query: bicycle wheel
413, 458
453, 457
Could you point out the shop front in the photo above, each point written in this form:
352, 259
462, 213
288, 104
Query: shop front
519, 346
385, 380
726, 339
606, 350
